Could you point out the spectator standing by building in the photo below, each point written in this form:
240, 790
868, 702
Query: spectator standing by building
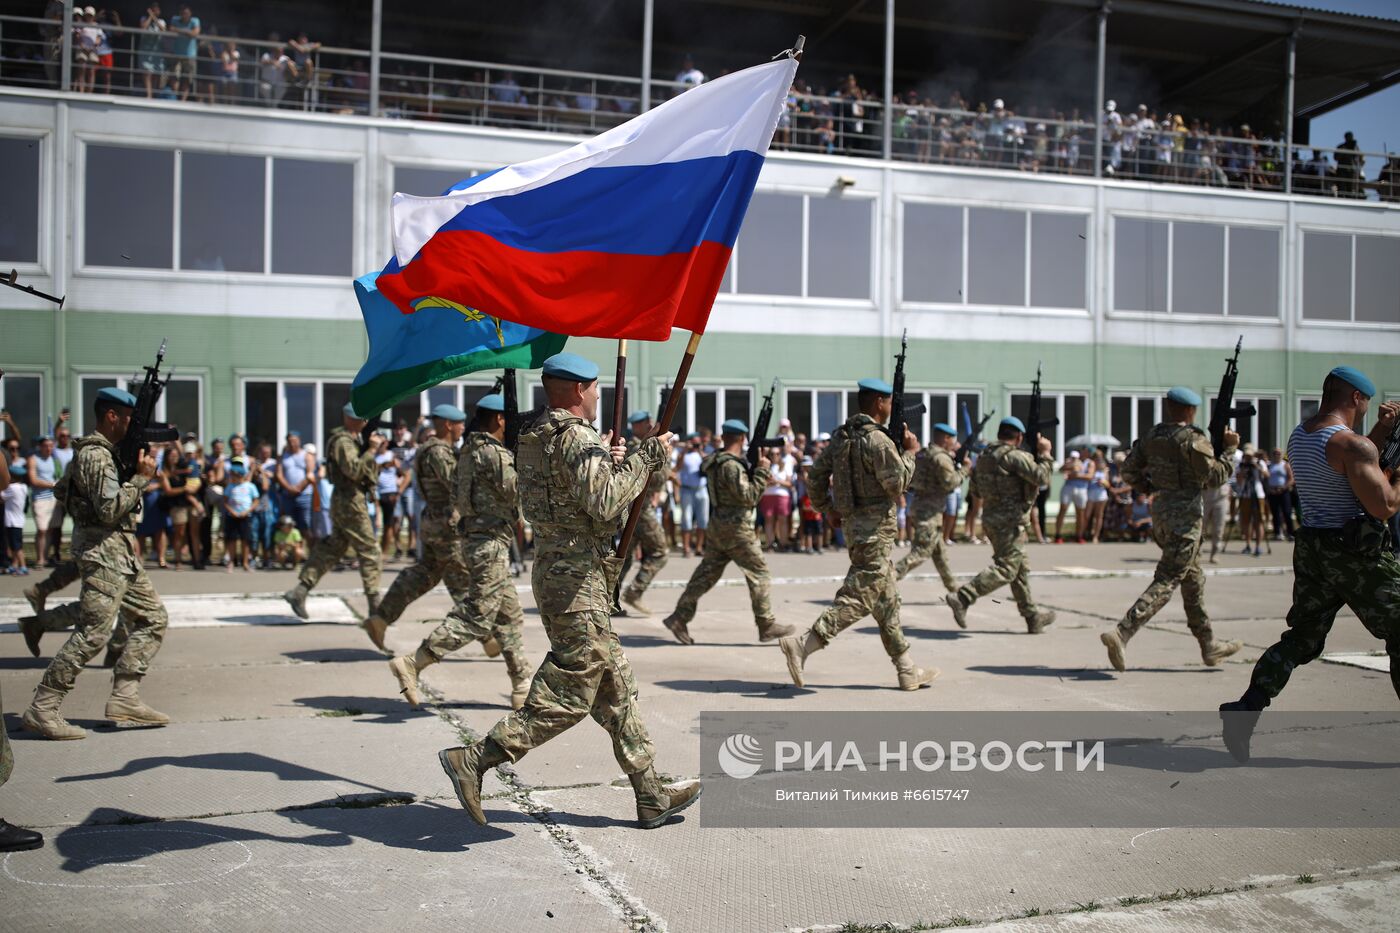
1075, 492
1250, 480
239, 499
1096, 489
63, 453
388, 487
15, 495
43, 473
295, 471
182, 35
1280, 494
1349, 165
695, 498
776, 504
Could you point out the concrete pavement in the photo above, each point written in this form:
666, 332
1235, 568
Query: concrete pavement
296, 789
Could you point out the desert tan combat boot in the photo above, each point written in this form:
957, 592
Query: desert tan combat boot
125, 710
657, 802
959, 608
36, 600
1114, 643
634, 599
1213, 652
375, 627
32, 630
772, 631
43, 717
465, 765
678, 629
519, 672
1043, 619
796, 649
296, 598
911, 676
406, 669
491, 646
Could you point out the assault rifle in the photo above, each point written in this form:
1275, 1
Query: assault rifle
758, 441
144, 430
1390, 451
506, 387
1035, 422
1225, 409
972, 438
900, 414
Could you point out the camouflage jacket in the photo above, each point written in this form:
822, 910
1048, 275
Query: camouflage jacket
657, 482
435, 466
935, 476
733, 494
1177, 463
570, 491
104, 509
487, 492
860, 469
1008, 479
349, 468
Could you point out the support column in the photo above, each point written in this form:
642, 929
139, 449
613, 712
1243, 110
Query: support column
648, 18
1290, 79
376, 31
65, 81
1098, 90
888, 122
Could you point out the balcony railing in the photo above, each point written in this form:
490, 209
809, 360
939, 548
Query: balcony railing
243, 72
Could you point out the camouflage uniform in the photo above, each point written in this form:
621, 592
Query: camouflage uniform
352, 473
64, 574
649, 534
731, 536
1008, 479
935, 477
485, 496
861, 476
573, 496
1177, 463
436, 468
7, 757
104, 546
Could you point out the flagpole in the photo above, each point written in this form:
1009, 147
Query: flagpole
619, 390
663, 425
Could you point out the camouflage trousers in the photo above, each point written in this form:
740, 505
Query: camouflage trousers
727, 542
351, 532
584, 674
61, 618
108, 591
652, 540
64, 574
7, 757
442, 560
869, 588
928, 543
1180, 565
1326, 576
1009, 565
488, 604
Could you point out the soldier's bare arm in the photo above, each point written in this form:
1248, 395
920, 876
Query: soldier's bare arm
1357, 456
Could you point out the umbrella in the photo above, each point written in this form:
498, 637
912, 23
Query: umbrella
1093, 440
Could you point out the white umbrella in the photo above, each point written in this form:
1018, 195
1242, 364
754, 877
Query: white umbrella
1093, 440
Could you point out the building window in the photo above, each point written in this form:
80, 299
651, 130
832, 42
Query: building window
1070, 408
221, 212
1351, 277
1180, 267
181, 404
960, 409
1131, 416
1006, 258
129, 207
19, 166
1260, 429
702, 407
429, 182
836, 232
1308, 407
22, 396
313, 217
817, 411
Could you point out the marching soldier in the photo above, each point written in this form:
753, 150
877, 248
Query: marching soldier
485, 503
1342, 556
352, 473
12, 838
573, 489
104, 513
649, 534
733, 495
1175, 463
858, 480
936, 476
1008, 479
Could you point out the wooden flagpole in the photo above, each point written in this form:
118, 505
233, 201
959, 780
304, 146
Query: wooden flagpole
619, 390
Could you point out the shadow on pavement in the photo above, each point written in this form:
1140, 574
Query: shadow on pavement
385, 710
335, 655
1039, 670
23, 664
753, 688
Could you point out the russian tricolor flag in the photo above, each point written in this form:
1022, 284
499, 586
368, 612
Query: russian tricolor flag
626, 235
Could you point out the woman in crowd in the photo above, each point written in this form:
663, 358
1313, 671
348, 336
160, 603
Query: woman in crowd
389, 488
1096, 485
776, 504
1075, 492
176, 502
1280, 494
1250, 480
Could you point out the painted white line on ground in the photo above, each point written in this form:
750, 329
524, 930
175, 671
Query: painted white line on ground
1370, 661
224, 610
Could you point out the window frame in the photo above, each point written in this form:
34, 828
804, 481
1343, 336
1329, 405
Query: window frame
1301, 257
1110, 262
80, 417
1059, 395
1254, 398
1134, 396
951, 393
842, 393
43, 375
82, 268
44, 230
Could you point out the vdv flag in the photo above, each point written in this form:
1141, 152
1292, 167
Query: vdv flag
626, 235
443, 340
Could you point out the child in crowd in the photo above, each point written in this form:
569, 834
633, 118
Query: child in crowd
15, 496
1140, 521
287, 547
811, 519
239, 496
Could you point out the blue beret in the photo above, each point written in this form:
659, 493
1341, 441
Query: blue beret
876, 385
946, 428
636, 416
1183, 396
347, 410
117, 397
734, 426
1356, 379
495, 402
350, 410
449, 413
570, 366
1014, 422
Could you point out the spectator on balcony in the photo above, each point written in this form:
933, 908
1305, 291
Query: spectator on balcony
210, 67
229, 60
1388, 184
275, 71
87, 37
304, 58
1112, 156
1349, 166
689, 75
182, 35
149, 55
505, 90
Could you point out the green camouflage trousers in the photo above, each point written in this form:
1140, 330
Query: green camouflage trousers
724, 542
488, 605
1180, 565
351, 531
928, 542
64, 574
585, 672
7, 757
652, 540
442, 560
106, 592
1008, 566
869, 588
1327, 576
66, 616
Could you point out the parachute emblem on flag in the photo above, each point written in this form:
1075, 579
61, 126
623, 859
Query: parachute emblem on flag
470, 315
